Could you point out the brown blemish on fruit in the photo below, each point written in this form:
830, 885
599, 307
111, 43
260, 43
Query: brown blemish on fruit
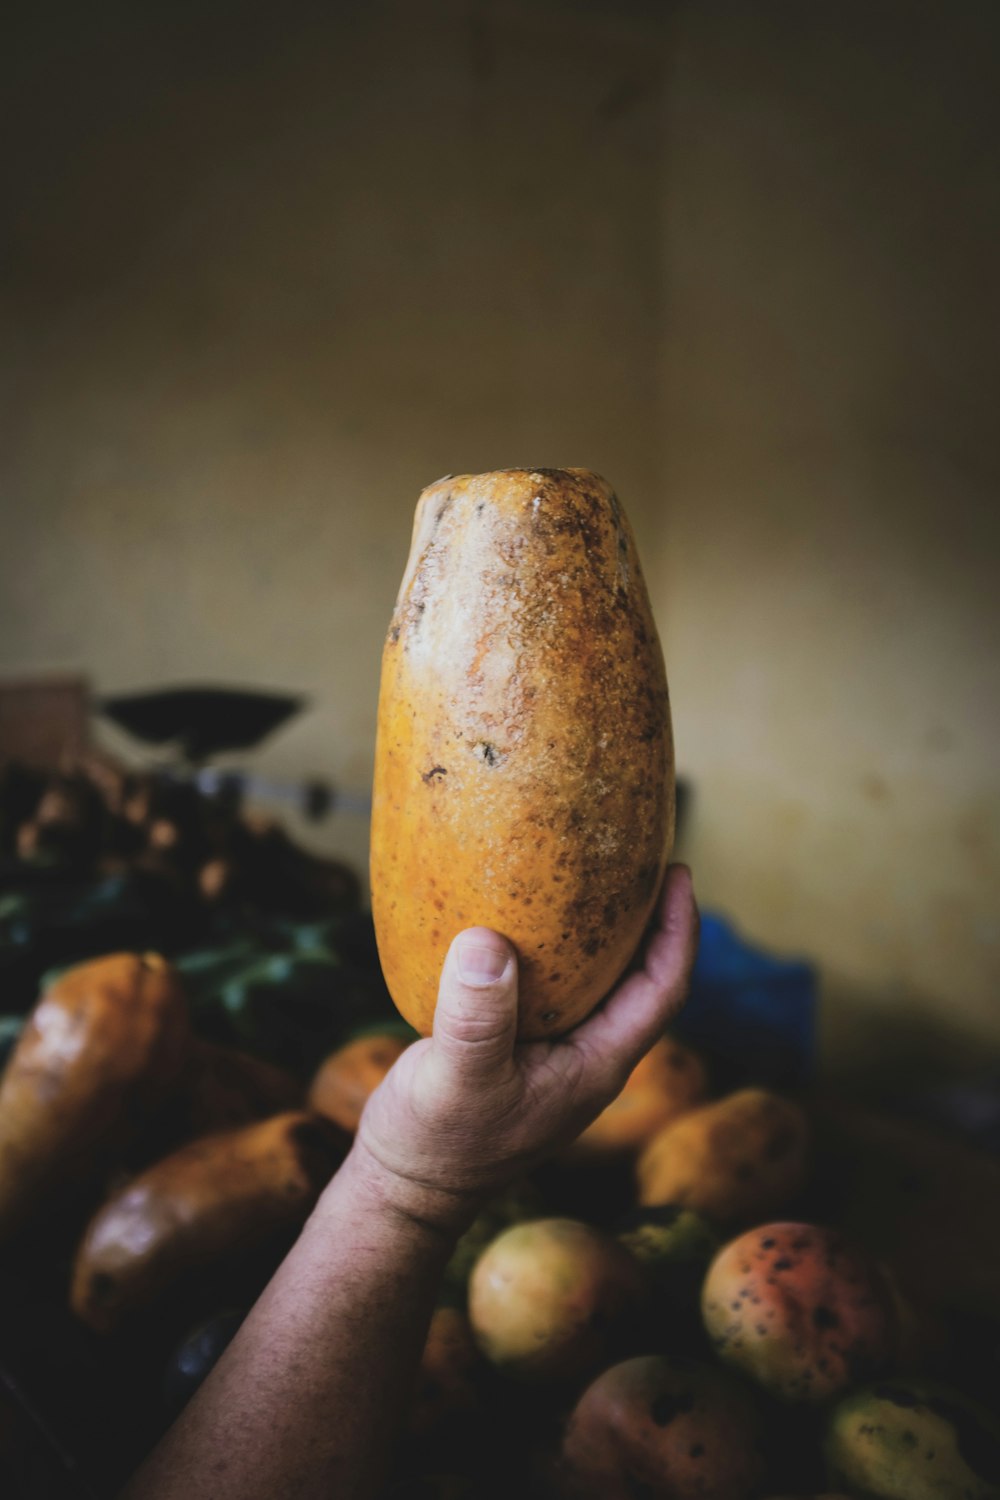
535, 653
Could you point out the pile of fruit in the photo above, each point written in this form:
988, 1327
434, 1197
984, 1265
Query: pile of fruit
275, 954
97, 859
170, 969
729, 1297
651, 1315
669, 1317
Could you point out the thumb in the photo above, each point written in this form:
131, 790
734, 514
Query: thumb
475, 1022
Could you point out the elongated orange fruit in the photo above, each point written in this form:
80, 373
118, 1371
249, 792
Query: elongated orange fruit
524, 775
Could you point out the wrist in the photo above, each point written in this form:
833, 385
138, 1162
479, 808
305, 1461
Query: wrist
421, 1209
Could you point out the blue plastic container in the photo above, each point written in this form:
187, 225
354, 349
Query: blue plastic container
751, 1013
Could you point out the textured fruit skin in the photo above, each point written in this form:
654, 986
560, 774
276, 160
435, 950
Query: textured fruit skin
215, 1197
101, 1051
524, 764
664, 1427
518, 1202
800, 1309
343, 1083
548, 1298
734, 1161
913, 1440
667, 1083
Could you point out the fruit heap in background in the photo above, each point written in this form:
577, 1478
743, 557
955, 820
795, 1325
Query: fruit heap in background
669, 1309
172, 975
741, 1347
97, 860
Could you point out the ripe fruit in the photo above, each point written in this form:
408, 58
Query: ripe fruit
524, 762
549, 1298
914, 1440
668, 1082
664, 1427
213, 1200
102, 1050
344, 1081
736, 1160
520, 1201
800, 1309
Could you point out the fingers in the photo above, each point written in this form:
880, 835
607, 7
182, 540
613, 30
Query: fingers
635, 1014
475, 1022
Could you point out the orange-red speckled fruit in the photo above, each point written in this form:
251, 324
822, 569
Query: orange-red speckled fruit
524, 775
801, 1310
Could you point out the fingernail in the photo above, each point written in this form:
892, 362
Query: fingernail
480, 963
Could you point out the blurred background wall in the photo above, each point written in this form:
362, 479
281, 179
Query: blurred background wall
274, 269
831, 467
270, 270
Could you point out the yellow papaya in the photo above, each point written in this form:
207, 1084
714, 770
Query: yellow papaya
524, 775
214, 1199
101, 1051
736, 1160
668, 1082
345, 1080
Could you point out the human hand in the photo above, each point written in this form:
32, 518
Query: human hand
466, 1110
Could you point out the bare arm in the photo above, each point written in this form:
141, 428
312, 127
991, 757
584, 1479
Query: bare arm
307, 1399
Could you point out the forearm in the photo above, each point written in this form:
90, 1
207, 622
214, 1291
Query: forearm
307, 1399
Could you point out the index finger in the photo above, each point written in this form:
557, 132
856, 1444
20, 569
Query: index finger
616, 1036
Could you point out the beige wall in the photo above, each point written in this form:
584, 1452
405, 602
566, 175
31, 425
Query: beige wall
830, 580
274, 272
